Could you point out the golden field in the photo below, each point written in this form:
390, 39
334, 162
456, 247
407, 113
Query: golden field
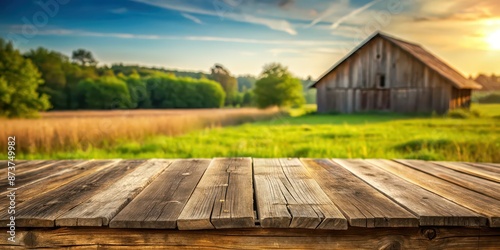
79, 130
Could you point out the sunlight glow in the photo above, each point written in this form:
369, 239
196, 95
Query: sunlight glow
494, 40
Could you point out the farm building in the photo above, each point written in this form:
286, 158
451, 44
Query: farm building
388, 74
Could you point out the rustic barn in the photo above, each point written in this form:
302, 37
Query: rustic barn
388, 74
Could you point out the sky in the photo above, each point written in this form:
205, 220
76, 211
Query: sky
308, 36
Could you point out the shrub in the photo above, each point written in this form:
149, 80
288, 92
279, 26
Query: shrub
103, 93
490, 98
173, 92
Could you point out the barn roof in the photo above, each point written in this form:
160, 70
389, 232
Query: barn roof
417, 51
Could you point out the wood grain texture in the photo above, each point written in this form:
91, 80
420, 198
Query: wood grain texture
432, 209
42, 210
484, 171
287, 196
491, 168
98, 210
234, 209
477, 202
223, 197
353, 238
40, 171
19, 164
482, 186
23, 166
161, 202
52, 181
361, 204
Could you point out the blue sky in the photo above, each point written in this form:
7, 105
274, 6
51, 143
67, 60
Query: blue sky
307, 35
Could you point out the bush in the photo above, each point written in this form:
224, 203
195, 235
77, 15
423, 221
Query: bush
277, 87
103, 93
173, 92
490, 98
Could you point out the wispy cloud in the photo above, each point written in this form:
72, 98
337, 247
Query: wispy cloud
329, 11
310, 50
353, 13
119, 11
274, 24
83, 33
182, 6
192, 18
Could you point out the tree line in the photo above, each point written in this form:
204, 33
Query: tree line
41, 79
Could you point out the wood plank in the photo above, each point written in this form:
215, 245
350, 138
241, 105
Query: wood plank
55, 180
223, 198
23, 166
42, 210
235, 209
353, 238
271, 202
29, 166
40, 171
161, 202
481, 204
4, 163
98, 210
432, 210
472, 169
496, 165
361, 204
485, 187
287, 196
38, 187
489, 167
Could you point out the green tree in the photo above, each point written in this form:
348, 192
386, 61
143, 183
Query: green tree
104, 93
139, 97
83, 57
277, 87
19, 81
309, 93
51, 65
246, 82
247, 99
228, 83
167, 91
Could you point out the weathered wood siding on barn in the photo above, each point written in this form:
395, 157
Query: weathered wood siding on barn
382, 76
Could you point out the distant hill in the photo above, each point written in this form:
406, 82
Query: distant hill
490, 83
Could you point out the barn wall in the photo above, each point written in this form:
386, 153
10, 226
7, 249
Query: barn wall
410, 86
460, 98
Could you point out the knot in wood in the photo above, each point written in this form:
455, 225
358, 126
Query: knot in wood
429, 233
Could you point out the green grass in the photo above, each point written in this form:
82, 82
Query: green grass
311, 135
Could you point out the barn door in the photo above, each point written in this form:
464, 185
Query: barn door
383, 99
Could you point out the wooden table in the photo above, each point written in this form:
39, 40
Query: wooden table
253, 203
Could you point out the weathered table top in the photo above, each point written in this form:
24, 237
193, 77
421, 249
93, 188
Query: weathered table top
237, 193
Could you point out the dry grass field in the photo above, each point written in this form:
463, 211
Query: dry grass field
82, 130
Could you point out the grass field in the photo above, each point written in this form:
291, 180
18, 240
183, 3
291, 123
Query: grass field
69, 131
312, 135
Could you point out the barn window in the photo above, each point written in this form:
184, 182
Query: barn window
381, 81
